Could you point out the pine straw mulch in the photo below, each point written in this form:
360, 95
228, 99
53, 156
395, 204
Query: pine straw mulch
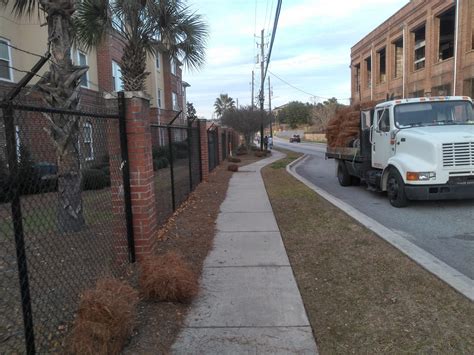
189, 231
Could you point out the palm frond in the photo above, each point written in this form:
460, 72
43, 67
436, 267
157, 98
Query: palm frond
91, 22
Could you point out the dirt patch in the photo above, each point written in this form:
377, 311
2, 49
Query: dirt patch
361, 294
190, 231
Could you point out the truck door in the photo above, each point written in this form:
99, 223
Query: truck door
381, 148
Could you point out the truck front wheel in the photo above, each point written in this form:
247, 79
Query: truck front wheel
396, 189
343, 175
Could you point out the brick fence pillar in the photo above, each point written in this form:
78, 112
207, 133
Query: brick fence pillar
142, 186
204, 150
219, 144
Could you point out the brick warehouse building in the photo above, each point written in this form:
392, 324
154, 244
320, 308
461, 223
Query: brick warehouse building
164, 85
412, 54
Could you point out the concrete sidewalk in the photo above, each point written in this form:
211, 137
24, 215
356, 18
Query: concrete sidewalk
249, 301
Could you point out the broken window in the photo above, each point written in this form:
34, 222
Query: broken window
368, 65
419, 60
382, 65
468, 88
419, 93
441, 90
357, 77
398, 72
446, 34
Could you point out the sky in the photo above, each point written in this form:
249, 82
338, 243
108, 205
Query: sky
311, 50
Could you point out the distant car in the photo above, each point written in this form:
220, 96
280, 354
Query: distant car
296, 138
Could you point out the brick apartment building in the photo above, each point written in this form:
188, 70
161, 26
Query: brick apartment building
423, 49
164, 85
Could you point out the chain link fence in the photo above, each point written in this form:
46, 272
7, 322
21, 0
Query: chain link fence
57, 224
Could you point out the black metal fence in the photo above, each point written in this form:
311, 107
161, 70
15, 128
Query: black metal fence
177, 165
56, 220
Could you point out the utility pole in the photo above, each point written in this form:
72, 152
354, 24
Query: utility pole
262, 82
237, 103
270, 106
253, 83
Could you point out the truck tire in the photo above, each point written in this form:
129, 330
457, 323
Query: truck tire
396, 189
343, 175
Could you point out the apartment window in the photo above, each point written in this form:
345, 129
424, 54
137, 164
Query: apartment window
441, 90
157, 61
174, 97
116, 77
368, 66
381, 57
419, 49
5, 61
398, 49
357, 77
82, 61
173, 66
88, 142
158, 98
446, 34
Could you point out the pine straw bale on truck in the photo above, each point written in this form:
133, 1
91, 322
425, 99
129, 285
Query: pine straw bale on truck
344, 126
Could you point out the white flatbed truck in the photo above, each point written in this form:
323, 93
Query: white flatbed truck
414, 149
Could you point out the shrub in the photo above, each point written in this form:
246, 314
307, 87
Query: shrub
28, 178
168, 278
233, 160
160, 163
102, 163
94, 179
180, 149
104, 319
233, 167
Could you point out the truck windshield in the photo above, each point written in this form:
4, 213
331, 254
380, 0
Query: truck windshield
433, 113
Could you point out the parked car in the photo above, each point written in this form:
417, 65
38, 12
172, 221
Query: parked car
296, 138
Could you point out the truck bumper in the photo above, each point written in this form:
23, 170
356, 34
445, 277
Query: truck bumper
440, 192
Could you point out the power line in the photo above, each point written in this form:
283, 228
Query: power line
303, 91
275, 25
22, 50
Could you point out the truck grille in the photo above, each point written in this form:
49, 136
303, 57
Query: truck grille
458, 154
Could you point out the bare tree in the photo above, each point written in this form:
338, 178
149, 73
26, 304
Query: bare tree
322, 113
245, 121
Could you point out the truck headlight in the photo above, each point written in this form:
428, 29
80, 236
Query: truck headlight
423, 176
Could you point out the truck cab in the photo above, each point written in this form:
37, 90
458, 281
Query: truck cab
415, 149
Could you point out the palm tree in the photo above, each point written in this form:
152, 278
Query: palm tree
60, 89
223, 103
146, 26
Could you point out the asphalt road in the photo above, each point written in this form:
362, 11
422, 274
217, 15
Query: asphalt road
443, 228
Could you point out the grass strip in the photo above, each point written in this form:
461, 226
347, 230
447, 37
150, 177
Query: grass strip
361, 294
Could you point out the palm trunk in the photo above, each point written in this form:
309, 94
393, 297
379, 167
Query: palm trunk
60, 89
134, 66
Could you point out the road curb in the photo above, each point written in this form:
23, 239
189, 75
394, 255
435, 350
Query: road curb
451, 276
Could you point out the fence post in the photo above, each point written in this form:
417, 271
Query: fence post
204, 150
170, 144
18, 231
190, 142
125, 166
198, 125
136, 107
